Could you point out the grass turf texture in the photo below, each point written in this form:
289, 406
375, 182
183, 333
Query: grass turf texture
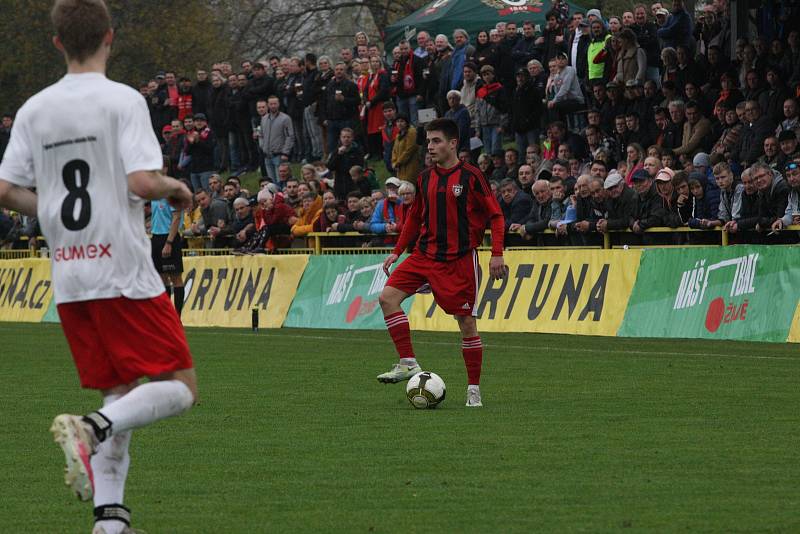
294, 434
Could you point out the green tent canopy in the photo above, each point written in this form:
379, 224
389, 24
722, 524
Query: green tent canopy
444, 16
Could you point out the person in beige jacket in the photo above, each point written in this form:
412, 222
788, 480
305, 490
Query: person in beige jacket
405, 153
695, 131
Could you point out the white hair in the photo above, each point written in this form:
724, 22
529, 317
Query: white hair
453, 92
406, 186
240, 202
264, 194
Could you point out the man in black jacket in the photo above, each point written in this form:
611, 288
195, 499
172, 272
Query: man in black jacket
751, 140
525, 48
200, 146
505, 66
201, 93
773, 197
538, 219
646, 37
622, 205
219, 119
552, 42
341, 106
650, 212
343, 158
516, 206
746, 214
578, 46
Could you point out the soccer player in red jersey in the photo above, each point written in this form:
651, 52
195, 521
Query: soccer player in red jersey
87, 145
449, 216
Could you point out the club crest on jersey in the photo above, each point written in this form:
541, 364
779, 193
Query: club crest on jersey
457, 189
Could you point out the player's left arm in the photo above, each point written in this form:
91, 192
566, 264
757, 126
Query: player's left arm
491, 209
17, 198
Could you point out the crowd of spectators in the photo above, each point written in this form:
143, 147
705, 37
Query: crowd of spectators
590, 124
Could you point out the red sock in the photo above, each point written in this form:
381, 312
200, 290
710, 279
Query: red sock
397, 323
472, 350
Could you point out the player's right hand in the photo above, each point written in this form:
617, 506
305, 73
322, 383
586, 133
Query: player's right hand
181, 197
390, 259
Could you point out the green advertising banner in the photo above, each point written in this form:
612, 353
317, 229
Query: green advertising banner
737, 292
340, 292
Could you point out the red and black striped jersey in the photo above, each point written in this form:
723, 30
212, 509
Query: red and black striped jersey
451, 211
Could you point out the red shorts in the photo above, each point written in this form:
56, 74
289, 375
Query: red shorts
454, 283
116, 341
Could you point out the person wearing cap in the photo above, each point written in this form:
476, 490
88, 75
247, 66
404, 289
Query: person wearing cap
594, 15
405, 150
526, 111
387, 217
671, 201
622, 204
569, 96
490, 110
787, 140
650, 209
792, 214
578, 40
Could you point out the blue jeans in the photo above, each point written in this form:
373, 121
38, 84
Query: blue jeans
271, 163
200, 180
492, 139
531, 137
407, 105
335, 128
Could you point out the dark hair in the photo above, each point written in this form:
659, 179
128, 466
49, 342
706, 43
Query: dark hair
561, 162
311, 58
691, 104
552, 14
81, 26
448, 127
512, 149
231, 183
353, 194
600, 162
633, 113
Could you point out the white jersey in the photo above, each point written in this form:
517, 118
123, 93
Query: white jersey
76, 142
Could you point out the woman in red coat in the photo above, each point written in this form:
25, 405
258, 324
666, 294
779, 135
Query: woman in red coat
377, 92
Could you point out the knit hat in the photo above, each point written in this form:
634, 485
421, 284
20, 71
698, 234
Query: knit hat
701, 160
594, 12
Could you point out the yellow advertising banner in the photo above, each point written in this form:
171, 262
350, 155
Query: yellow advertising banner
224, 290
794, 331
25, 289
547, 291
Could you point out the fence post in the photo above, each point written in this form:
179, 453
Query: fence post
606, 240
724, 237
317, 245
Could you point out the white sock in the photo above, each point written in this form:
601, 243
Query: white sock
411, 362
147, 404
110, 464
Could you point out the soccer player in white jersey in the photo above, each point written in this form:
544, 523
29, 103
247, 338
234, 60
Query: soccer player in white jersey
86, 144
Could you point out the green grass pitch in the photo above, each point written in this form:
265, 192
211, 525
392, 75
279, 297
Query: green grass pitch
294, 434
